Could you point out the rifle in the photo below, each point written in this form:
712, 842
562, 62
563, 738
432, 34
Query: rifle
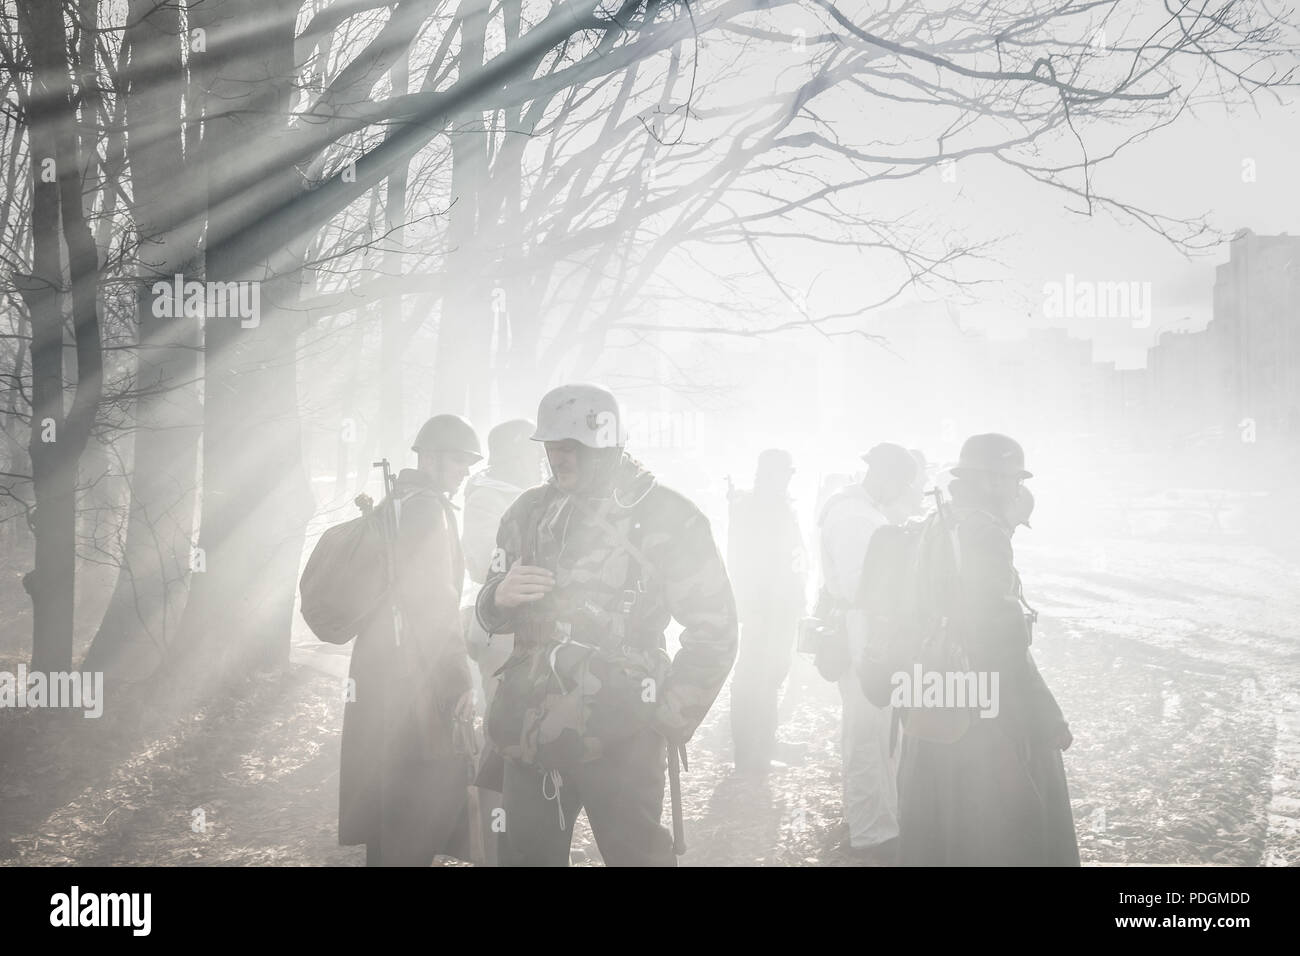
952, 566
388, 525
675, 788
940, 507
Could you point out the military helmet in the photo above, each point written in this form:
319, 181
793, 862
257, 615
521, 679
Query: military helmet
449, 433
775, 461
892, 459
585, 413
504, 439
992, 453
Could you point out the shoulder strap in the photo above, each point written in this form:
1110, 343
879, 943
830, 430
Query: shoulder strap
630, 543
528, 540
632, 580
599, 516
1031, 613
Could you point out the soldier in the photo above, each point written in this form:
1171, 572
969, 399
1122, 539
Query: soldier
766, 560
514, 464
848, 522
588, 570
998, 795
402, 782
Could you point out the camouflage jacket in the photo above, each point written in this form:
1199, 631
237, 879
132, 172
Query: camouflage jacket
623, 566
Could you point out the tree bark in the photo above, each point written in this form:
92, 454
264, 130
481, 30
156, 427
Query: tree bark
392, 429
461, 382
57, 439
149, 596
256, 500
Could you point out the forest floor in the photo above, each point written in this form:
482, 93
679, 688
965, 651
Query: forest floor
1178, 664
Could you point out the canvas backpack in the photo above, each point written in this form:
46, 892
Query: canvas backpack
909, 582
346, 580
889, 594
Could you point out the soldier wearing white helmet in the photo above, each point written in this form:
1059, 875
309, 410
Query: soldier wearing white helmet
583, 430
589, 568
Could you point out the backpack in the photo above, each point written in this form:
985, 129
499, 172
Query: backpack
909, 577
346, 579
887, 591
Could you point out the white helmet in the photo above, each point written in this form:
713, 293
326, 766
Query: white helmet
586, 413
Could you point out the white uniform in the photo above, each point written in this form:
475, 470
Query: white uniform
486, 500
869, 772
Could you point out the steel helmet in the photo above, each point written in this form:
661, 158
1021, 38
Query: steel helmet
447, 433
892, 459
505, 439
585, 413
775, 461
992, 453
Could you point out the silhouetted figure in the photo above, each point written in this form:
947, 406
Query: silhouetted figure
848, 522
766, 563
589, 568
998, 795
403, 782
514, 464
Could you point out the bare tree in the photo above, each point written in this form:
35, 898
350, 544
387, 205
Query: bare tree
58, 435
149, 596
555, 179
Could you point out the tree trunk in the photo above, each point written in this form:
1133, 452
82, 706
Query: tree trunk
150, 593
57, 440
392, 431
461, 376
256, 500
50, 583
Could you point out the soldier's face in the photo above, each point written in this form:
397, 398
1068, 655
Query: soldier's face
566, 464
450, 469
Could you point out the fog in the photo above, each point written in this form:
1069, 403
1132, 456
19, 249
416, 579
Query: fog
250, 247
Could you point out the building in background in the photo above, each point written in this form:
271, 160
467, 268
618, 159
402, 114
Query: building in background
1256, 331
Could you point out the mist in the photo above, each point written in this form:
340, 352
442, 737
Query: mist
256, 254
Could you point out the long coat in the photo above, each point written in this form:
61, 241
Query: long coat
403, 783
998, 796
